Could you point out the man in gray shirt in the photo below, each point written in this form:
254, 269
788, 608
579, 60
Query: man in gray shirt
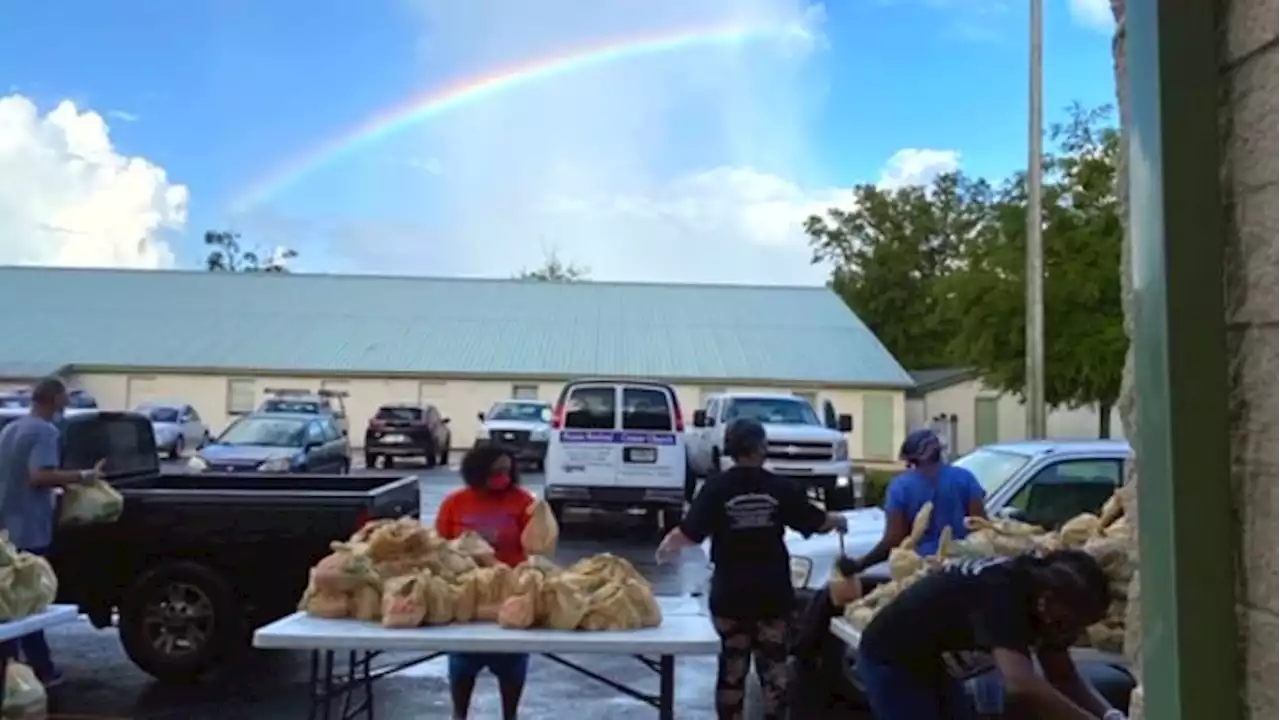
29, 475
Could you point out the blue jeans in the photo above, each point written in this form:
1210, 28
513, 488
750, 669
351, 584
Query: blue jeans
508, 668
897, 694
33, 648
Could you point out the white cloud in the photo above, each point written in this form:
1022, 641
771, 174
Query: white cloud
68, 198
918, 166
1094, 14
123, 116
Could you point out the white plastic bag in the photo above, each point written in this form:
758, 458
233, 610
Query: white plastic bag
24, 696
96, 502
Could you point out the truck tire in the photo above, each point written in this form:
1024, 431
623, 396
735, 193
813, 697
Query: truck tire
429, 455
181, 620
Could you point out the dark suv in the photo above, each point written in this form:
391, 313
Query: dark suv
407, 430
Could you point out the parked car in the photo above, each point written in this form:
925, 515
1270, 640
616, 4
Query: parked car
277, 442
1044, 482
177, 426
618, 444
196, 562
801, 445
77, 400
308, 402
521, 426
400, 430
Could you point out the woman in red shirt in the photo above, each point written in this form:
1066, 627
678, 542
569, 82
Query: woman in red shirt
494, 505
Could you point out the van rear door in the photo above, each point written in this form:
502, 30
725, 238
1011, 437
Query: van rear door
588, 451
651, 453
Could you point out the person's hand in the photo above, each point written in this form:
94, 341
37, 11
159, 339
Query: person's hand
667, 549
839, 523
97, 473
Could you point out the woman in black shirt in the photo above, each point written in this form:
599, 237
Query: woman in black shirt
977, 614
745, 511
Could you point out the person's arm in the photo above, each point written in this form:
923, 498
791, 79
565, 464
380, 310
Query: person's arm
697, 523
448, 522
1001, 623
977, 500
897, 526
803, 516
43, 464
1061, 672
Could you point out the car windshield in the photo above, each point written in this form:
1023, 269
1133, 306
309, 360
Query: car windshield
993, 468
161, 414
276, 432
306, 407
531, 412
779, 411
14, 402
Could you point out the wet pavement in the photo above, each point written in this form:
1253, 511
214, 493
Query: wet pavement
102, 683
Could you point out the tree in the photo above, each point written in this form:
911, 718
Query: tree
226, 254
553, 269
890, 253
1085, 341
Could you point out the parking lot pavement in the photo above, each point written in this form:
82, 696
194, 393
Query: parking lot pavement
102, 683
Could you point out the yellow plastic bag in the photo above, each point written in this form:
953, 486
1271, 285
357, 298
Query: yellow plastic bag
96, 502
541, 533
24, 696
27, 587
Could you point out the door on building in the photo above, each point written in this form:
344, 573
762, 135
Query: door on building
140, 389
986, 421
877, 426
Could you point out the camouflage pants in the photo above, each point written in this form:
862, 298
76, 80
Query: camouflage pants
740, 641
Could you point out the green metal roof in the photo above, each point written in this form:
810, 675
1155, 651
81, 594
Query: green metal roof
367, 324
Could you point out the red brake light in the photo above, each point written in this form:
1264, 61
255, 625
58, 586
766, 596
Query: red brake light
675, 403
557, 416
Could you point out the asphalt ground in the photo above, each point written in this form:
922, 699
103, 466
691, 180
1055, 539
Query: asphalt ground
102, 683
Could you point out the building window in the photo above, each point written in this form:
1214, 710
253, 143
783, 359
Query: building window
242, 395
524, 392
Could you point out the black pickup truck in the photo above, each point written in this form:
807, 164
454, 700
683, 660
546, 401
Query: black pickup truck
198, 561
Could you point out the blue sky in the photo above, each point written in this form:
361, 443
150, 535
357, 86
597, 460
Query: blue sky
696, 164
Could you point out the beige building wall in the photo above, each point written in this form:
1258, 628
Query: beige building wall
961, 399
218, 397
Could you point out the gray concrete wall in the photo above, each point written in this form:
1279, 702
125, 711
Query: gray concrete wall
1248, 65
1249, 123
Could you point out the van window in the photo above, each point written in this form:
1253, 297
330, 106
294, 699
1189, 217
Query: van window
590, 408
645, 409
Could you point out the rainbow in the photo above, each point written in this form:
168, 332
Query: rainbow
470, 90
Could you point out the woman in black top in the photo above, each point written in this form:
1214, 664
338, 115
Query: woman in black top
745, 511
977, 614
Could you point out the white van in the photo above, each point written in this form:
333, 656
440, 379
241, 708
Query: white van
618, 444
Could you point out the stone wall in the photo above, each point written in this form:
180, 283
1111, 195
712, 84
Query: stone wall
1249, 124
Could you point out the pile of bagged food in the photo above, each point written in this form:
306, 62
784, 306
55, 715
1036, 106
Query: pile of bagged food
404, 575
1104, 536
27, 583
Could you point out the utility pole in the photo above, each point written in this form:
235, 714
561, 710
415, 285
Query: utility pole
1035, 223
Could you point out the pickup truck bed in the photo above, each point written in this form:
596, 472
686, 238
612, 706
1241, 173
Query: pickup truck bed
197, 561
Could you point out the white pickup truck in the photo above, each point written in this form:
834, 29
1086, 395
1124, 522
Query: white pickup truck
801, 444
1045, 482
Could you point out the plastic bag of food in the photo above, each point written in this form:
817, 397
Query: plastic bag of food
1078, 530
441, 599
843, 586
366, 604
563, 605
449, 563
494, 584
398, 539
329, 605
470, 544
404, 603
541, 532
95, 502
518, 612
344, 570
611, 609
646, 606
607, 567
464, 606
8, 551
27, 587
24, 696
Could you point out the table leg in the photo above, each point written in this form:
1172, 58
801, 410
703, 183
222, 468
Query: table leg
667, 687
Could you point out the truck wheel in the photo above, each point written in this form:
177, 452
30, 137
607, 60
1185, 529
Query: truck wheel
181, 620
178, 446
444, 453
429, 457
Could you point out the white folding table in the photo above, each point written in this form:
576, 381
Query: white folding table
22, 627
339, 693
